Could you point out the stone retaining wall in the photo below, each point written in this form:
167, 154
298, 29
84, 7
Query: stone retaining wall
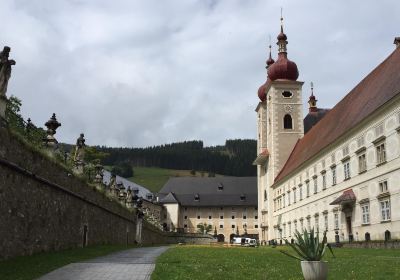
44, 208
395, 244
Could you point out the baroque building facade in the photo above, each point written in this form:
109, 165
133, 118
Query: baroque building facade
227, 204
335, 170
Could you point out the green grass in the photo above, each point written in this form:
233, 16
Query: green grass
31, 267
204, 262
154, 178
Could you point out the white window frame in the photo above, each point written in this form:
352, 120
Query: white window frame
383, 186
385, 209
365, 213
362, 163
380, 153
334, 175
336, 220
346, 169
315, 185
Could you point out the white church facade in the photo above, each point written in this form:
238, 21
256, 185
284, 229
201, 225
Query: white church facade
336, 169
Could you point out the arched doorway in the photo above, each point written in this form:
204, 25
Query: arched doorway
221, 238
231, 237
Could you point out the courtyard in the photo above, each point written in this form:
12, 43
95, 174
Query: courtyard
205, 262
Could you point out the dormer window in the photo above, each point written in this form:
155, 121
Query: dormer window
242, 197
220, 187
196, 197
287, 94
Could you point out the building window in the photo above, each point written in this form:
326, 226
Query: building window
294, 195
385, 209
336, 216
326, 221
317, 223
290, 229
244, 217
221, 217
324, 181
300, 192
185, 217
265, 195
197, 197
233, 217
185, 225
365, 213
333, 169
315, 185
362, 163
383, 186
380, 153
283, 200
295, 225
221, 226
255, 226
287, 94
233, 226
198, 217
209, 217
346, 168
287, 122
301, 224
308, 188
309, 224
255, 217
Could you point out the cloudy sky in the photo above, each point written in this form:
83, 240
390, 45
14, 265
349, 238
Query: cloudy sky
140, 73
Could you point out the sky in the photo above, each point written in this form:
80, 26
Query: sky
141, 73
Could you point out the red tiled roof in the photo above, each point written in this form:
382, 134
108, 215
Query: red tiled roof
381, 85
347, 196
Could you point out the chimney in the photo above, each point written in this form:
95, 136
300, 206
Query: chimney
397, 41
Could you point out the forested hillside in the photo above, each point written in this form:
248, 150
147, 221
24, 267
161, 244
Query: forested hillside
234, 158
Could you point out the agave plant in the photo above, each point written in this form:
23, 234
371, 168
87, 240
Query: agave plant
308, 247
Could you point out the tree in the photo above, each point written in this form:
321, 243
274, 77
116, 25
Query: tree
204, 228
124, 170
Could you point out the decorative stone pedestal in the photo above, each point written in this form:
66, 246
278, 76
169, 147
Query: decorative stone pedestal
78, 168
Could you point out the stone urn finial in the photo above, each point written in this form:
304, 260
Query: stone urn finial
52, 124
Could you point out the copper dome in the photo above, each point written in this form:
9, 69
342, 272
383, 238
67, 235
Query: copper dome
283, 68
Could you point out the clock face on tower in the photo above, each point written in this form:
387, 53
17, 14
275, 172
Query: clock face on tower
288, 108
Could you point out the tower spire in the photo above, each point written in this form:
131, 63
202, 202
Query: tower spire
312, 102
282, 38
270, 60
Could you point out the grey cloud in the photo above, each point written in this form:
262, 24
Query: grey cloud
138, 73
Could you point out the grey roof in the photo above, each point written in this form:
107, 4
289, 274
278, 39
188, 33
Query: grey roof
236, 191
169, 198
142, 190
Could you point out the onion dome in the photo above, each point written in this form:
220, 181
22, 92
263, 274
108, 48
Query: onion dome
283, 68
262, 90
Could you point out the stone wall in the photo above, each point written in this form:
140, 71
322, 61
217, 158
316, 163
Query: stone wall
44, 208
151, 235
394, 244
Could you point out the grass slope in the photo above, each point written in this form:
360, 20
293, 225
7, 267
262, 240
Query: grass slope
154, 178
31, 267
204, 262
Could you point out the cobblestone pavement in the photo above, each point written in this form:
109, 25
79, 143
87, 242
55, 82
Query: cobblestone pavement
133, 264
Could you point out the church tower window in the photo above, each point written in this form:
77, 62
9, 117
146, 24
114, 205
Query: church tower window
287, 122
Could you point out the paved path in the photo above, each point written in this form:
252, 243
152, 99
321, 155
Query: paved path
133, 264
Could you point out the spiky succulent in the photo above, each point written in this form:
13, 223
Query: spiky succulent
308, 246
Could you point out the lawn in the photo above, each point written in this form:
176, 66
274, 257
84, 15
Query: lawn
31, 267
204, 262
154, 178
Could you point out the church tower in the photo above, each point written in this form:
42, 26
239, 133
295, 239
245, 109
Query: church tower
279, 125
